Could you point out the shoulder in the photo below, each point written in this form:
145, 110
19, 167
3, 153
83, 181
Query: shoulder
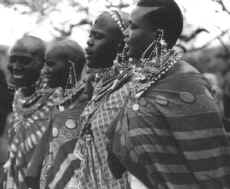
180, 94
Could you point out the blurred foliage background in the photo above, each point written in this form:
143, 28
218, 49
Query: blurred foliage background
209, 51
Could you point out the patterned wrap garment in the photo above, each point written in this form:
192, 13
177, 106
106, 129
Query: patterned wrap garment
27, 127
172, 137
64, 129
88, 157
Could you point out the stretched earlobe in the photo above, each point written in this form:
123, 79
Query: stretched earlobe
120, 47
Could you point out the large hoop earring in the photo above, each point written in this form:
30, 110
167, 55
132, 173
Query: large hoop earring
72, 80
155, 50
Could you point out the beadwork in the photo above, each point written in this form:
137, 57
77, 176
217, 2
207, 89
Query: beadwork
28, 129
154, 63
117, 18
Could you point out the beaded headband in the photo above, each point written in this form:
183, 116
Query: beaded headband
116, 16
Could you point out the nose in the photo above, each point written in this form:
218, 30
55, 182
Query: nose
15, 65
46, 69
90, 42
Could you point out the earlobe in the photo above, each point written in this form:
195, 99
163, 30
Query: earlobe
120, 46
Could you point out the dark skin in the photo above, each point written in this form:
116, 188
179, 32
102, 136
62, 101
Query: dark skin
103, 43
24, 71
56, 70
140, 33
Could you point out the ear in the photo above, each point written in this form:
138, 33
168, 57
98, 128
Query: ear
120, 46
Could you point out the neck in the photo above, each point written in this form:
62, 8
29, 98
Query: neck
28, 91
102, 65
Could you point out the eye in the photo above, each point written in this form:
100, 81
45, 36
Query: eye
133, 26
96, 35
12, 59
50, 63
20, 60
25, 60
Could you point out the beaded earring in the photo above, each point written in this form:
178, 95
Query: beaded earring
157, 60
155, 50
122, 58
117, 18
72, 77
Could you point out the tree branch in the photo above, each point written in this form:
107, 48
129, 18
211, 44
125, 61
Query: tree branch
65, 33
209, 42
223, 6
187, 38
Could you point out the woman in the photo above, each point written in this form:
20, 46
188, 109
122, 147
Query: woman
29, 120
4, 111
85, 158
65, 60
169, 133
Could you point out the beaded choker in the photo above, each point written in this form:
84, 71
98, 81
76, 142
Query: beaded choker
103, 74
154, 63
148, 72
26, 105
70, 96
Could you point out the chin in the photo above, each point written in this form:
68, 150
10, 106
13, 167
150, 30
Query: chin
89, 63
17, 83
92, 65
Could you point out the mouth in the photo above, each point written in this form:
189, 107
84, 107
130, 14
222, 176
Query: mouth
16, 76
89, 54
48, 77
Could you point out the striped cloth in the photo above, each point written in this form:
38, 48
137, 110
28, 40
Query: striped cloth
173, 137
65, 164
85, 158
62, 132
26, 132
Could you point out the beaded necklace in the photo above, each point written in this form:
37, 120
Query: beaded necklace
27, 105
155, 62
27, 132
70, 96
147, 73
103, 77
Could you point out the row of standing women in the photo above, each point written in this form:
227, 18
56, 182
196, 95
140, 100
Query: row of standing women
127, 110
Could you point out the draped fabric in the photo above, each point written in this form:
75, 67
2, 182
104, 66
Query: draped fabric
172, 137
26, 133
63, 167
64, 130
85, 158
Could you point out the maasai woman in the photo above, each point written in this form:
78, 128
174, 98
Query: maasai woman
5, 104
65, 60
86, 157
29, 121
169, 133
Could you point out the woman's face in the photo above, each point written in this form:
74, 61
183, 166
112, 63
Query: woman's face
55, 70
24, 70
140, 34
103, 41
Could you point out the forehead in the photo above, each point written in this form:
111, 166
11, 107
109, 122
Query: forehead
55, 49
141, 16
18, 51
19, 58
105, 23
